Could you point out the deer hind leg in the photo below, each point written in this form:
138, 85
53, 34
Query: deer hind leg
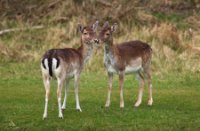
66, 94
150, 99
147, 74
76, 80
60, 81
121, 85
110, 78
46, 81
141, 89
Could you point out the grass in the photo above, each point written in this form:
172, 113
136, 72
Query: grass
176, 104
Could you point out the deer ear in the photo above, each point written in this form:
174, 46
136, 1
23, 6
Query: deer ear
95, 25
114, 27
80, 28
106, 24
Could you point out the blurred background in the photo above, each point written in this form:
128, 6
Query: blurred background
30, 27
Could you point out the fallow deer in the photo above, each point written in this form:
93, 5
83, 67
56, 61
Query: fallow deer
126, 58
67, 63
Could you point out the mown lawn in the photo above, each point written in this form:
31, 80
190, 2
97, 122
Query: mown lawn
176, 103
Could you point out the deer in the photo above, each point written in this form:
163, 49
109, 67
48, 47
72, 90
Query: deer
67, 63
131, 57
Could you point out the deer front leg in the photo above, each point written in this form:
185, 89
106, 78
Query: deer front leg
121, 84
76, 79
59, 91
110, 78
66, 93
46, 82
140, 92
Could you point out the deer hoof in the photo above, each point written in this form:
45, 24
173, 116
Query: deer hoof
79, 110
137, 104
150, 102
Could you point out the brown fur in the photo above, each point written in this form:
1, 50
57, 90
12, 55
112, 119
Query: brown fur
66, 54
127, 51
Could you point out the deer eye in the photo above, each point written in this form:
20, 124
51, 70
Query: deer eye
107, 34
85, 33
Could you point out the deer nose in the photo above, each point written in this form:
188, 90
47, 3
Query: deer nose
96, 41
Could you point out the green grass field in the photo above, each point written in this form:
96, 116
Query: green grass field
176, 102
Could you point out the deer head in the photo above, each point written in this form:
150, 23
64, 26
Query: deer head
88, 34
105, 34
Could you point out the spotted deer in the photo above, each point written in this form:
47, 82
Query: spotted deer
126, 58
67, 63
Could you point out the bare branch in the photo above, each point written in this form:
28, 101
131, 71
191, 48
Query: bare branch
2, 32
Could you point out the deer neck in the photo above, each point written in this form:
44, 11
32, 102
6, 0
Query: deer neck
109, 48
86, 52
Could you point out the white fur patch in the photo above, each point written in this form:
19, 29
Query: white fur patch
45, 71
54, 63
134, 66
130, 69
111, 69
55, 70
46, 64
88, 55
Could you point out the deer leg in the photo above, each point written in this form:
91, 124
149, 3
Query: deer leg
150, 100
141, 89
46, 82
66, 93
121, 84
76, 79
59, 91
110, 78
